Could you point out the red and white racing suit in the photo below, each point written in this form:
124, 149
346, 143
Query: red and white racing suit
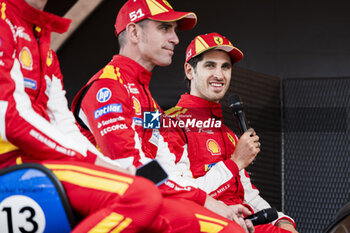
201, 146
109, 110
37, 126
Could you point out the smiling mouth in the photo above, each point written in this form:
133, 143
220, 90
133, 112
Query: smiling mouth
216, 84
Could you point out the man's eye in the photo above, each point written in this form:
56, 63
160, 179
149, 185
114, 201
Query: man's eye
164, 27
226, 67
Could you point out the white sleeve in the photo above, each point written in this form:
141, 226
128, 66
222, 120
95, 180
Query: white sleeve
62, 118
180, 172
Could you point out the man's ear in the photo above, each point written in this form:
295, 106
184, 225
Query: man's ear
189, 71
132, 32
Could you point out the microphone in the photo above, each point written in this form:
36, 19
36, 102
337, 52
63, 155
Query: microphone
263, 216
236, 106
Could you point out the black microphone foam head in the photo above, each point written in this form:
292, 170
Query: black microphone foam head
270, 214
263, 216
235, 103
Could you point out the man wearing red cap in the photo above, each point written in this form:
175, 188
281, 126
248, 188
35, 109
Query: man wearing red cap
211, 155
37, 126
110, 107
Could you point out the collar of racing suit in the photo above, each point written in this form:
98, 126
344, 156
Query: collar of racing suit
207, 107
40, 18
133, 70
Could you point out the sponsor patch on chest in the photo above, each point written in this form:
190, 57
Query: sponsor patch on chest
116, 108
137, 105
30, 83
207, 167
155, 137
138, 121
103, 95
26, 58
213, 147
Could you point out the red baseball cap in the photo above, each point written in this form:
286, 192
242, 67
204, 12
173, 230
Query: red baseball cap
159, 10
209, 41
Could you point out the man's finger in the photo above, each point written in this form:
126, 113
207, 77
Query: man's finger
258, 145
250, 226
245, 211
243, 225
251, 131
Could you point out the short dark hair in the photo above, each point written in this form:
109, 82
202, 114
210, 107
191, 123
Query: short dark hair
122, 35
193, 62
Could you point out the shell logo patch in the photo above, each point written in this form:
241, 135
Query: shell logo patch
213, 147
137, 105
49, 58
231, 139
218, 40
26, 59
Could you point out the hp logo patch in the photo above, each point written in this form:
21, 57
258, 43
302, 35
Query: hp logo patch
103, 95
151, 120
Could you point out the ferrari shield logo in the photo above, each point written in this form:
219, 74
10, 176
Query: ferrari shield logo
218, 40
231, 139
49, 58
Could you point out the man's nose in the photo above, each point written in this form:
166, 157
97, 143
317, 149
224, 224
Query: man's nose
174, 38
219, 74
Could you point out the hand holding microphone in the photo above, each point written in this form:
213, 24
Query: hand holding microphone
236, 106
248, 145
263, 216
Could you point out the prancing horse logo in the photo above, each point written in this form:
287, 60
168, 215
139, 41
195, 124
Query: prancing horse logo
218, 40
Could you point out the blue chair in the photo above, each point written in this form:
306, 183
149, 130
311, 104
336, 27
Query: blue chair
32, 199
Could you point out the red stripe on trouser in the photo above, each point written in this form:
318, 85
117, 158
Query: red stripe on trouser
181, 214
141, 202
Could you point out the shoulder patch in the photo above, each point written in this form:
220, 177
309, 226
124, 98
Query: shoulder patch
117, 69
175, 111
108, 72
103, 95
231, 139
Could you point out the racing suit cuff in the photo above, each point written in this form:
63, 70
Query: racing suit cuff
249, 207
285, 219
232, 166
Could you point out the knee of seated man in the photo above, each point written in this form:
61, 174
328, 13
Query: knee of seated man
144, 193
